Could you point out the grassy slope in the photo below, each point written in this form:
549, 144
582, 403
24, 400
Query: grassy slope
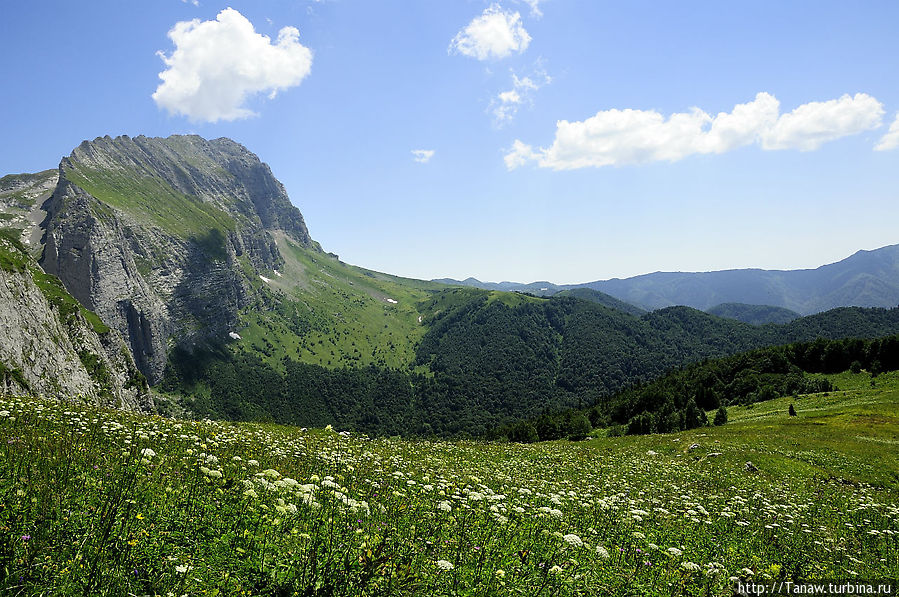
150, 199
518, 519
349, 319
851, 435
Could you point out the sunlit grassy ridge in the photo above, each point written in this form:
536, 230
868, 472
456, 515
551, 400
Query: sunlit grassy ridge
150, 199
333, 314
109, 503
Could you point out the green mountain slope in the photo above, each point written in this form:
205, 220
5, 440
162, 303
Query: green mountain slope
753, 314
588, 294
316, 309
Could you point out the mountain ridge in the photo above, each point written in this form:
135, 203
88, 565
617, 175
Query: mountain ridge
867, 278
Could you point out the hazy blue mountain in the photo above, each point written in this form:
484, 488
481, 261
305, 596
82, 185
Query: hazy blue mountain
865, 279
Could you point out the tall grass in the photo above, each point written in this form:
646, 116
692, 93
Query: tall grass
102, 502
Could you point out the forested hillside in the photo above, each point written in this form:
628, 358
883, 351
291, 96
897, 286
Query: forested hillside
680, 399
754, 314
490, 358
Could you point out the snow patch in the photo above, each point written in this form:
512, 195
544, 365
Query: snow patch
391, 301
277, 273
234, 335
264, 279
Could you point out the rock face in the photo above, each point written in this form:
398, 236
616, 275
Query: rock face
158, 236
48, 347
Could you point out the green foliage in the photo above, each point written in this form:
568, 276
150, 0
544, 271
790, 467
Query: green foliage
13, 255
579, 428
15, 374
98, 371
607, 300
721, 416
523, 432
754, 314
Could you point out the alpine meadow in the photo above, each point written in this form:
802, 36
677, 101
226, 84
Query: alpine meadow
225, 373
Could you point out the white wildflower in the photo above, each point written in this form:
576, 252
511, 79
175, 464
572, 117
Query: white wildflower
573, 540
445, 565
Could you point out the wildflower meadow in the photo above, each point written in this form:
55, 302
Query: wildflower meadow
103, 502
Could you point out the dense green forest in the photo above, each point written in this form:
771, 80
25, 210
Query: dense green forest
680, 399
491, 359
754, 314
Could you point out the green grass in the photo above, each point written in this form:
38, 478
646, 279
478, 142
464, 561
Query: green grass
332, 314
151, 199
248, 509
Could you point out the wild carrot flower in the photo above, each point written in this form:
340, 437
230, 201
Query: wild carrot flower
573, 540
445, 565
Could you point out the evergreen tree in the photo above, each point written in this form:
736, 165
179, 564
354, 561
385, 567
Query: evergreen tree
792, 410
580, 427
721, 416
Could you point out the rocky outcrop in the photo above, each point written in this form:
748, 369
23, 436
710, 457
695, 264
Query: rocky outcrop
48, 347
161, 237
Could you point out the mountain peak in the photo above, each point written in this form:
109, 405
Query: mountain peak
220, 174
163, 237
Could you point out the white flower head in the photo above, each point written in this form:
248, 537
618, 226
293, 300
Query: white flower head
445, 565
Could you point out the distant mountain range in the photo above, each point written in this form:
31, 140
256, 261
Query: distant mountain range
865, 279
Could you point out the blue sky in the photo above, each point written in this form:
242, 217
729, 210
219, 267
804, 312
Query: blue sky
558, 140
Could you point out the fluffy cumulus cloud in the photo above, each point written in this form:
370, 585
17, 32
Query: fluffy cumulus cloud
218, 65
493, 35
506, 104
811, 125
422, 156
619, 137
891, 139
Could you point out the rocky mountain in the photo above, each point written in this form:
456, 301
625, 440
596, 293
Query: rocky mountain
865, 279
159, 237
51, 345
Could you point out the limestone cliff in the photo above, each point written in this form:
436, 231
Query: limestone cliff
50, 345
160, 237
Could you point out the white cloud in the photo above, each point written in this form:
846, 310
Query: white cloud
495, 34
505, 105
619, 137
218, 65
891, 139
811, 125
535, 7
422, 156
